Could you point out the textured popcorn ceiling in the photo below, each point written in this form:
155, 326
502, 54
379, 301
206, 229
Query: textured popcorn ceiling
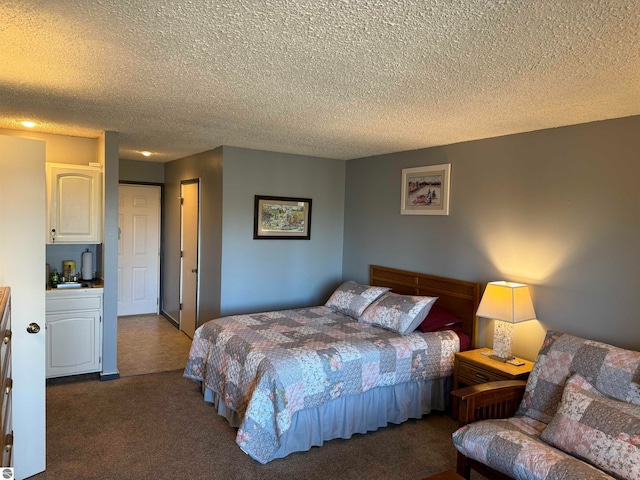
340, 79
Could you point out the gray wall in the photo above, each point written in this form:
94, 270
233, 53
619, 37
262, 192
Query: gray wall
207, 167
141, 172
558, 209
260, 275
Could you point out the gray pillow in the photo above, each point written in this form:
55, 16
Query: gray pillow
352, 299
399, 313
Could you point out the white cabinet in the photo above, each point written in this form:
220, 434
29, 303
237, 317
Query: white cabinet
74, 331
74, 193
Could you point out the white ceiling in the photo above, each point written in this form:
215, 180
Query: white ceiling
340, 79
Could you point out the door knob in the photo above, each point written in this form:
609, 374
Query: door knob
194, 270
33, 328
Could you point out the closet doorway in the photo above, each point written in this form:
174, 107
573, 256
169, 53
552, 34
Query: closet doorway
189, 244
138, 249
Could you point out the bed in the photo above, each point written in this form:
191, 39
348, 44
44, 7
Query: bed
290, 380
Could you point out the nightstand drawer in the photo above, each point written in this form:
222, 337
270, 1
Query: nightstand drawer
472, 375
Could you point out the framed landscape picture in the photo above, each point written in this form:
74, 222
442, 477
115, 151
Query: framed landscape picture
425, 190
282, 218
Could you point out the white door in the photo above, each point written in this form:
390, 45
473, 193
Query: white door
138, 249
22, 261
189, 234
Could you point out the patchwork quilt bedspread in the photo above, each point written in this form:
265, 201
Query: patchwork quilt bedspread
268, 366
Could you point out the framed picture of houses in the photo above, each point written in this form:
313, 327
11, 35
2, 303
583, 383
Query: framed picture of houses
282, 218
425, 190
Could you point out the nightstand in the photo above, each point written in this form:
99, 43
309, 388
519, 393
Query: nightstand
472, 367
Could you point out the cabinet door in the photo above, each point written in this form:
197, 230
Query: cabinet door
73, 343
75, 209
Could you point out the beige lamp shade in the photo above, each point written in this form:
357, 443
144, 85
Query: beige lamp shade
506, 303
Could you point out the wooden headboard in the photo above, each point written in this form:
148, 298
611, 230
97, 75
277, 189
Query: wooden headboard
457, 296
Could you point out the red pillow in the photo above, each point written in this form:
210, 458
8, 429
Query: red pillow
465, 340
437, 318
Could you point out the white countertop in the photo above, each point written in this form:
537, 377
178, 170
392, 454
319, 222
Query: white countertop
86, 289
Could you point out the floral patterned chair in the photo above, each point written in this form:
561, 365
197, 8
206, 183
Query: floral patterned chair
577, 417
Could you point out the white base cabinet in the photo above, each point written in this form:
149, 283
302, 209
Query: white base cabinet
74, 332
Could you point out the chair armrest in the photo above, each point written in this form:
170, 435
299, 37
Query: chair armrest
489, 400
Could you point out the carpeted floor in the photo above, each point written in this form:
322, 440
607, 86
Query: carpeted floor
157, 426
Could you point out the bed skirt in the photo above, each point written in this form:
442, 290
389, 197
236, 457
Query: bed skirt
344, 416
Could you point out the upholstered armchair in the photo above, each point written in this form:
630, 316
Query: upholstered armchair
576, 417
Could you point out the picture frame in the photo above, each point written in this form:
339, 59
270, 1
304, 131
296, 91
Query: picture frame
426, 190
282, 218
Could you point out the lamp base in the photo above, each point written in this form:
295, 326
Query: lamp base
511, 361
502, 340
501, 359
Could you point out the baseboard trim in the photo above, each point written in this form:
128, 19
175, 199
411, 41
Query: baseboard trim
105, 377
170, 318
83, 377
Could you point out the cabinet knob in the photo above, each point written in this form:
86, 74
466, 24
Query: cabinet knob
9, 386
33, 328
7, 336
9, 444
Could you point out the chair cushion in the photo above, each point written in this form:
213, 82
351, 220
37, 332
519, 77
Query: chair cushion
613, 371
511, 446
603, 431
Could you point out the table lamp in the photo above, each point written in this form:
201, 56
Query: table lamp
506, 303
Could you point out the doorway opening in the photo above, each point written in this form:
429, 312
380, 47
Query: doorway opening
147, 341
